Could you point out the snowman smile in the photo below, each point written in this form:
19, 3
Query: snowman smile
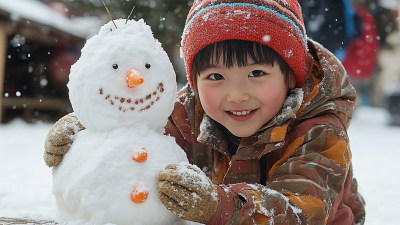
129, 104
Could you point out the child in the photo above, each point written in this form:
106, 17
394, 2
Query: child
265, 117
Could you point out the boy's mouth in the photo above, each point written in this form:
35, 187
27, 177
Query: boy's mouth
241, 113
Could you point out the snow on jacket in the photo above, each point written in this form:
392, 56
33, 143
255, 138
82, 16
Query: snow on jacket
296, 169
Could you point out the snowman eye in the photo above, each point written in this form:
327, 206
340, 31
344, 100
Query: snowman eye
115, 66
147, 66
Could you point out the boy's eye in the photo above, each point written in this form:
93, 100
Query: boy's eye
256, 73
215, 76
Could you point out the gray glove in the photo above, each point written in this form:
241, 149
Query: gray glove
60, 138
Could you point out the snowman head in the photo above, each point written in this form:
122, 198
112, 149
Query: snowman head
122, 78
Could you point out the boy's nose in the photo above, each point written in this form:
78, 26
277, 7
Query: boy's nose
238, 94
133, 79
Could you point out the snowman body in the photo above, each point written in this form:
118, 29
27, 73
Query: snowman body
97, 188
122, 89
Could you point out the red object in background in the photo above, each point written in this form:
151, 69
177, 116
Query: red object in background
60, 63
60, 8
361, 54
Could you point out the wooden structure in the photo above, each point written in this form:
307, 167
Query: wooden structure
28, 85
9, 221
3, 47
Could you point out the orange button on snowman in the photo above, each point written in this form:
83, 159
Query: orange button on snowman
139, 193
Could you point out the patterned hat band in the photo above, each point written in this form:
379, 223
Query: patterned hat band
203, 12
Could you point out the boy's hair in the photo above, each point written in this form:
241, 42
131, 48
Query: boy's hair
238, 52
275, 23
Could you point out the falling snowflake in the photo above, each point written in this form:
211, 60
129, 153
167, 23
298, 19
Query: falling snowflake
266, 38
288, 53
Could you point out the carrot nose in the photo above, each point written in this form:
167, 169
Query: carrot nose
133, 79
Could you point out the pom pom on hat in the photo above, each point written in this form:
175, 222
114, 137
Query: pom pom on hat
276, 23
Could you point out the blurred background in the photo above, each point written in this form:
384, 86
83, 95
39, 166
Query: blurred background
41, 39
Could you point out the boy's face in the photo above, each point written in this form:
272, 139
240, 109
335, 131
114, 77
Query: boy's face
245, 98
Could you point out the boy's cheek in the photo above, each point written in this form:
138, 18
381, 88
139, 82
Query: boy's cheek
209, 100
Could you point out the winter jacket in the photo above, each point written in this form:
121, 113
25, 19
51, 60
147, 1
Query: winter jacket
296, 169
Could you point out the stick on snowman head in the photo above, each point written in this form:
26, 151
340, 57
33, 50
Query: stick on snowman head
122, 78
109, 14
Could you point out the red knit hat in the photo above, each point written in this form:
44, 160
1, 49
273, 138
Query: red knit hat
276, 23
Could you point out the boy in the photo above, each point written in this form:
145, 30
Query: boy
265, 117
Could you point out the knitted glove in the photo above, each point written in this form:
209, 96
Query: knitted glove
188, 192
60, 138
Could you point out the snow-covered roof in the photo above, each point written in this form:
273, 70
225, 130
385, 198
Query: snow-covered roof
389, 4
34, 10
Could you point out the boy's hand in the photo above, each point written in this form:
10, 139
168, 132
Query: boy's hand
187, 191
60, 138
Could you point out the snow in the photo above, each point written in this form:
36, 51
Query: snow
275, 194
37, 11
266, 38
375, 160
25, 188
389, 4
191, 174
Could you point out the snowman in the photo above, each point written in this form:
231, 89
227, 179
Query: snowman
122, 89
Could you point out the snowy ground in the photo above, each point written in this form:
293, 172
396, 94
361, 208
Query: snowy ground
25, 181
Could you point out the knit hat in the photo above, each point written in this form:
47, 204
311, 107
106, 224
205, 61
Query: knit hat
276, 23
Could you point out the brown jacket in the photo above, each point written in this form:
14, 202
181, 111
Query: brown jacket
296, 169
